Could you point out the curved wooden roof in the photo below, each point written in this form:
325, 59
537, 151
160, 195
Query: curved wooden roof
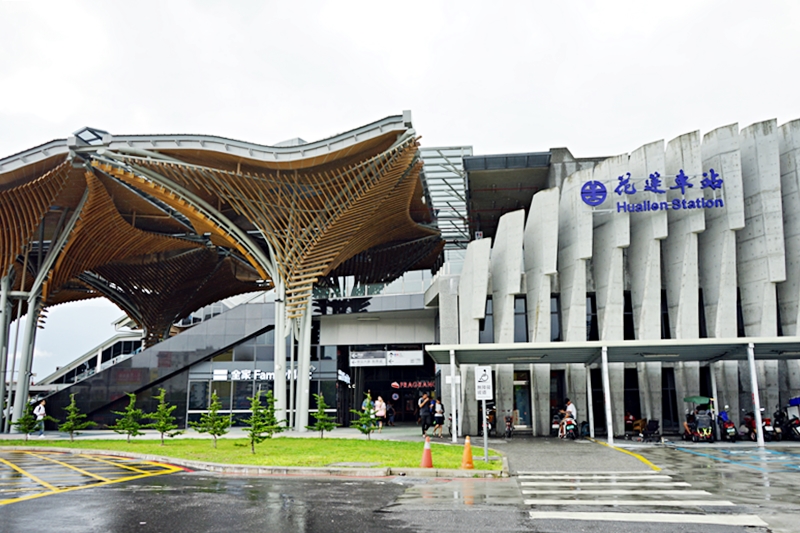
162, 225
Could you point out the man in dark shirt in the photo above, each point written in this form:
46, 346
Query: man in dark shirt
424, 405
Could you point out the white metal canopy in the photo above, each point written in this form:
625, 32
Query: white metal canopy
706, 351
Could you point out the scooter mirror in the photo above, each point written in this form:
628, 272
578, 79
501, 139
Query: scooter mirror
727, 407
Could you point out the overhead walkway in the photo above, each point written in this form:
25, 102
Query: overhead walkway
165, 364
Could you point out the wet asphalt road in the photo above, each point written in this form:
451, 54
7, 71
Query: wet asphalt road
757, 484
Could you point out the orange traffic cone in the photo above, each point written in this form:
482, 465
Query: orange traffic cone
466, 461
427, 460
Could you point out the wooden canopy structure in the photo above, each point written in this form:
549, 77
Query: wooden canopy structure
163, 225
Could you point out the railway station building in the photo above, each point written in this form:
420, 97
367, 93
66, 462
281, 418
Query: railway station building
369, 262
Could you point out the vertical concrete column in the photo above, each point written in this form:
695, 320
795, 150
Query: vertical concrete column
574, 248
446, 287
611, 237
717, 244
789, 291
540, 253
540, 382
472, 289
506, 273
760, 250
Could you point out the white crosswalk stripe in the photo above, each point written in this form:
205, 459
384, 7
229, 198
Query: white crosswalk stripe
651, 492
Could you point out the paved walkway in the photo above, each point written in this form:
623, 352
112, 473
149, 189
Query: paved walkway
523, 453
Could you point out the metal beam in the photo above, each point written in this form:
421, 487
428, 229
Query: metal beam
751, 358
607, 395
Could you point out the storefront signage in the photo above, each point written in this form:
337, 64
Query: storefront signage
391, 358
223, 374
594, 193
414, 385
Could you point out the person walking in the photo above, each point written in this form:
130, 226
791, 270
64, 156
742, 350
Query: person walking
390, 413
39, 412
424, 405
438, 419
380, 412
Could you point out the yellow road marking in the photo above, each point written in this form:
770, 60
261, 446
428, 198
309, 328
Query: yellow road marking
166, 469
30, 476
115, 464
67, 465
642, 459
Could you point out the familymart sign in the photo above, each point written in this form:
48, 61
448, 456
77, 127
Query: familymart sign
595, 193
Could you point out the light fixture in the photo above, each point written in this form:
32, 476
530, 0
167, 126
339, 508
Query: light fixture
368, 318
524, 358
789, 353
659, 355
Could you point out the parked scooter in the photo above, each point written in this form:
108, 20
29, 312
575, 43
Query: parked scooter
509, 425
727, 429
555, 424
570, 428
748, 427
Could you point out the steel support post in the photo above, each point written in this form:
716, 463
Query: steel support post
279, 369
292, 378
712, 367
303, 371
5, 313
607, 396
24, 377
590, 401
454, 407
751, 358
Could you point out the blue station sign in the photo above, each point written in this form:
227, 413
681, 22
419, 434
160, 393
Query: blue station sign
594, 193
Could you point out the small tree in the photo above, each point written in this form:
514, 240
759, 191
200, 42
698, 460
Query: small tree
164, 422
129, 422
262, 422
324, 420
26, 423
212, 422
366, 422
74, 421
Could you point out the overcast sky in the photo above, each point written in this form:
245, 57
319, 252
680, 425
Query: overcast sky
600, 78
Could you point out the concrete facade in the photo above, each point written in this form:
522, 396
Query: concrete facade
699, 237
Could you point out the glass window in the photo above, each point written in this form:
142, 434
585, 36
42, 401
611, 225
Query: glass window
198, 395
268, 337
227, 355
592, 328
486, 334
629, 332
244, 352
520, 320
223, 390
242, 390
328, 391
265, 353
329, 352
555, 317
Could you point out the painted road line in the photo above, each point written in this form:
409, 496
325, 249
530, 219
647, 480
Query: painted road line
661, 518
578, 492
120, 465
603, 484
641, 503
598, 477
71, 467
589, 473
636, 455
45, 484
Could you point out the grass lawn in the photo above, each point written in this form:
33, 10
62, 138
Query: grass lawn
285, 451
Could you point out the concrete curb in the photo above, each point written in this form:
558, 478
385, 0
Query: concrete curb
306, 471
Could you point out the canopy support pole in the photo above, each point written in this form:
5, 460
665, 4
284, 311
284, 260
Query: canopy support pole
607, 396
751, 358
715, 406
453, 413
590, 401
